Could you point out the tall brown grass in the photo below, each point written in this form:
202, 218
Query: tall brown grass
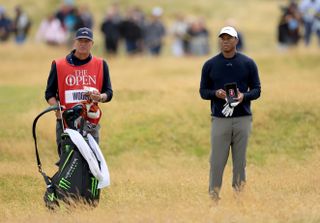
156, 132
166, 185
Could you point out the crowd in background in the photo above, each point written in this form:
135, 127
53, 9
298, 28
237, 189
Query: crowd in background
59, 27
139, 32
143, 33
136, 31
19, 26
299, 20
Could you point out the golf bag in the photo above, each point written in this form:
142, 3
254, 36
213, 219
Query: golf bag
73, 182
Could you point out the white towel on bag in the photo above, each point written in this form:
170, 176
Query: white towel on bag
92, 156
103, 164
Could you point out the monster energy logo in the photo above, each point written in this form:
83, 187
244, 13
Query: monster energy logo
64, 184
94, 186
51, 197
67, 148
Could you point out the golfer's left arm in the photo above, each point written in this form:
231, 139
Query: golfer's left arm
254, 84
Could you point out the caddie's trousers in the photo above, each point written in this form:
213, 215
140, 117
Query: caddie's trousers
228, 133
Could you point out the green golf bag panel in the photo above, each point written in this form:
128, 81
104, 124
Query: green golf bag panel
74, 181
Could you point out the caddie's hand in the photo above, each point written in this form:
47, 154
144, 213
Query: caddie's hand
221, 94
95, 96
58, 114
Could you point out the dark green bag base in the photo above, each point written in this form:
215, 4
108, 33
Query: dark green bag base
73, 183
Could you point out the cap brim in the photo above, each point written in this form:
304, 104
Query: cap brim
84, 37
227, 34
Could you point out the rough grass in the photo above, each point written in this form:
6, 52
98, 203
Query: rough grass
156, 131
156, 141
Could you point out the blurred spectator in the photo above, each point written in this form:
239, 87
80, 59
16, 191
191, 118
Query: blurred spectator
21, 25
289, 26
79, 22
199, 38
316, 25
5, 25
63, 12
179, 32
308, 9
51, 31
72, 22
139, 16
70, 19
240, 45
110, 30
154, 32
68, 2
131, 32
86, 16
140, 20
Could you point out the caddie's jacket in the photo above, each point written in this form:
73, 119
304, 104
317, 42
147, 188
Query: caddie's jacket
71, 81
68, 75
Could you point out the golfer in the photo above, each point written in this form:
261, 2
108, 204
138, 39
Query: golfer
231, 121
71, 77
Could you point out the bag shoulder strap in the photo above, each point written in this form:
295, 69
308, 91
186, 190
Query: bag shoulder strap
51, 108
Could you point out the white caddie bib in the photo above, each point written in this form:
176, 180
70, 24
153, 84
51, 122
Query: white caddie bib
75, 96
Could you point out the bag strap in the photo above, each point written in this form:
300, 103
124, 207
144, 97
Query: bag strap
51, 108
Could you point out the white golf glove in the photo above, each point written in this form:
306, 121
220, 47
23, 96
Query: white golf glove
229, 107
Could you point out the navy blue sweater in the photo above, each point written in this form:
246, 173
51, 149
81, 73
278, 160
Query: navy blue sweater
52, 84
219, 70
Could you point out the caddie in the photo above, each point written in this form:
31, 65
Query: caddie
77, 78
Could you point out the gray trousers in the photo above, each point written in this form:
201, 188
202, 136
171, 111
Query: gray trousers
228, 133
93, 131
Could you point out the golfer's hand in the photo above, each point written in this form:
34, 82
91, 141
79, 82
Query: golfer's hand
240, 97
221, 94
227, 110
228, 107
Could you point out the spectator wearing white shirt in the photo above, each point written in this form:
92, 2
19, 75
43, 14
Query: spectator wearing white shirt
308, 9
51, 32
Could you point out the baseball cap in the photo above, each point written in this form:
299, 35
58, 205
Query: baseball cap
84, 33
157, 11
229, 30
